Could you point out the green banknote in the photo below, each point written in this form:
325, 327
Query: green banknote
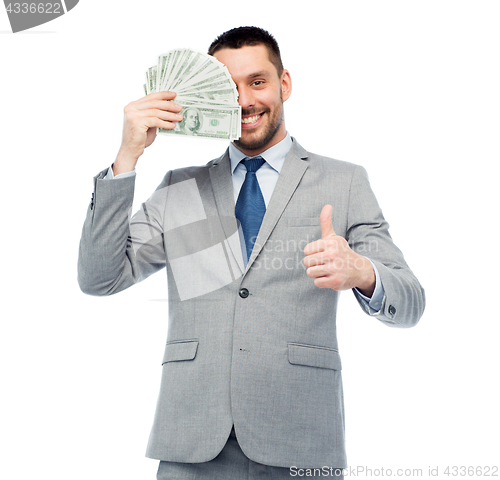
207, 121
204, 89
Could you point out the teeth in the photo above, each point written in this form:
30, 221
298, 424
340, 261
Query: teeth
250, 119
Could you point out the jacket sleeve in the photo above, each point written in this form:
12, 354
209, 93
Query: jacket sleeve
117, 251
368, 234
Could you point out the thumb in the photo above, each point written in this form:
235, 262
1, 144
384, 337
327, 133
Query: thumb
326, 222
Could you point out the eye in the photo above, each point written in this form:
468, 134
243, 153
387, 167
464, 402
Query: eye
258, 82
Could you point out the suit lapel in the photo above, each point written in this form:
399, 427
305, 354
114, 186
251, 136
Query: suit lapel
293, 169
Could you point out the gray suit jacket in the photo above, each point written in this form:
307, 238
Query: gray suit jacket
257, 346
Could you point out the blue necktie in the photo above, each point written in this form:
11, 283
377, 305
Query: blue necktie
250, 206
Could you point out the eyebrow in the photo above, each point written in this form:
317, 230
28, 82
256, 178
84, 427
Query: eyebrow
261, 73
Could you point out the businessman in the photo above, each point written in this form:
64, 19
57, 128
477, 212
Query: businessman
256, 244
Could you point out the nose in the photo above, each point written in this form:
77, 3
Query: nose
246, 98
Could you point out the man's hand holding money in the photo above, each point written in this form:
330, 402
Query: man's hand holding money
142, 118
205, 92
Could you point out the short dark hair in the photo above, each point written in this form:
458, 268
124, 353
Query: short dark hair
249, 37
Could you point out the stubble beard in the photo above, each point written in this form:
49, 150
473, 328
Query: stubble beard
266, 135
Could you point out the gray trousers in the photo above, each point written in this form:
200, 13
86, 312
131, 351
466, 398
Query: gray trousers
232, 464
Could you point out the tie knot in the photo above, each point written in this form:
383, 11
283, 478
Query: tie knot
253, 164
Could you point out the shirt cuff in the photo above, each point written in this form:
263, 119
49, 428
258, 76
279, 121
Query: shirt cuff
111, 176
375, 302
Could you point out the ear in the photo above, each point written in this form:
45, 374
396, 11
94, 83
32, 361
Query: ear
286, 85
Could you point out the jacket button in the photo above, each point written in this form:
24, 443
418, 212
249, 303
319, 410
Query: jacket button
392, 310
244, 293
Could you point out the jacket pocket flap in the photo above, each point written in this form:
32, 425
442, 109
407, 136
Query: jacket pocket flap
177, 351
313, 356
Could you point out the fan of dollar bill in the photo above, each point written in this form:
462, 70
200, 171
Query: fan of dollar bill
204, 89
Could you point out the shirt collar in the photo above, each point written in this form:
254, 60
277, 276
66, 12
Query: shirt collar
274, 156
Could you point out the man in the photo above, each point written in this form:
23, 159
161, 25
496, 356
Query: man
251, 380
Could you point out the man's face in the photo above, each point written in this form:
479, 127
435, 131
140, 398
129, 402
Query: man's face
261, 96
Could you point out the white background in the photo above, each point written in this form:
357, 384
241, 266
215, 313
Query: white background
410, 90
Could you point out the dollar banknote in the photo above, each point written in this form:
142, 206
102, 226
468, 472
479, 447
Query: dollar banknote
204, 89
206, 121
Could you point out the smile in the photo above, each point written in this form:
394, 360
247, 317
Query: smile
249, 120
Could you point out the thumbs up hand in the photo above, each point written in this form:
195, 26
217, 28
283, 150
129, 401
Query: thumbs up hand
333, 264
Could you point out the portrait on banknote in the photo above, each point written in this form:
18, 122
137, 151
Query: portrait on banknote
191, 122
